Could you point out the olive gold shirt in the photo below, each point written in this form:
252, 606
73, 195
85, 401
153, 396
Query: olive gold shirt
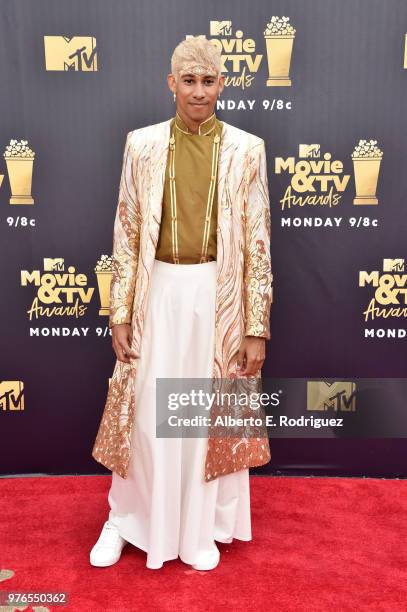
192, 162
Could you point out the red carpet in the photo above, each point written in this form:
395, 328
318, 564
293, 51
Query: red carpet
326, 544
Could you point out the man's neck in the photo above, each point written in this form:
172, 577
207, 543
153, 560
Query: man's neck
193, 126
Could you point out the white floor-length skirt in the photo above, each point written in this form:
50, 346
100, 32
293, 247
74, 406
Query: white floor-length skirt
164, 506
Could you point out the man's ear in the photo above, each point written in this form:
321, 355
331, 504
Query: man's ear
171, 82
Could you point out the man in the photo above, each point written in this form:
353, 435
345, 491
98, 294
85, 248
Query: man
191, 293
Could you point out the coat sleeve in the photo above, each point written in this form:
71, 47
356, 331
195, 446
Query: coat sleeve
126, 241
258, 276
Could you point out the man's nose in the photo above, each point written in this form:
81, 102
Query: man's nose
199, 91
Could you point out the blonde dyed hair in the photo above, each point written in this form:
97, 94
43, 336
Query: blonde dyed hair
195, 50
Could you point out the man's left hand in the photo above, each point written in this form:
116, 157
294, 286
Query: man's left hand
251, 355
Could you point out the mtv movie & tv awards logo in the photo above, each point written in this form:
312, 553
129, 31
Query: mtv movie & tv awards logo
317, 180
243, 55
62, 291
59, 292
388, 301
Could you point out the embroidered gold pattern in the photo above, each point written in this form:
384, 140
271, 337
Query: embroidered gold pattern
126, 241
113, 441
258, 274
193, 67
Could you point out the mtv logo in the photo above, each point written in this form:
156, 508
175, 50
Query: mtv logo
312, 150
338, 396
393, 265
11, 395
220, 28
65, 53
55, 264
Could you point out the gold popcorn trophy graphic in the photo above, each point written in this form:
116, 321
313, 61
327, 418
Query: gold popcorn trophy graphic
103, 271
366, 165
20, 159
279, 35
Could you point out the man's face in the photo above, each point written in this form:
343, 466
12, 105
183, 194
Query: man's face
196, 95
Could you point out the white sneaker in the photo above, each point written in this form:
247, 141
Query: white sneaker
108, 548
208, 561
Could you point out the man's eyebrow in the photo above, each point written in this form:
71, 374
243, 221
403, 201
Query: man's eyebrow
206, 76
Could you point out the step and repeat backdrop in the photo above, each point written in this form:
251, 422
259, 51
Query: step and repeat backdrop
325, 84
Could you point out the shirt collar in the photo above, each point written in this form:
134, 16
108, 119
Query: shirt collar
206, 127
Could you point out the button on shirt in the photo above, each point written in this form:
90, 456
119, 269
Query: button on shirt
193, 160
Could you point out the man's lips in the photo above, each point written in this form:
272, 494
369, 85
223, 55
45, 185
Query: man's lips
195, 104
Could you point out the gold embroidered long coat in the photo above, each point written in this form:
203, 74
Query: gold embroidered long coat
244, 282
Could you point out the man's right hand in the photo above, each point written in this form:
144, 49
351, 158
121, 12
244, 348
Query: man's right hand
121, 342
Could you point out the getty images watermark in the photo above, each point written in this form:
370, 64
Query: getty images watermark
281, 407
237, 407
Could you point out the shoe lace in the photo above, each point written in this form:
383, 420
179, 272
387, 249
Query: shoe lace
109, 535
